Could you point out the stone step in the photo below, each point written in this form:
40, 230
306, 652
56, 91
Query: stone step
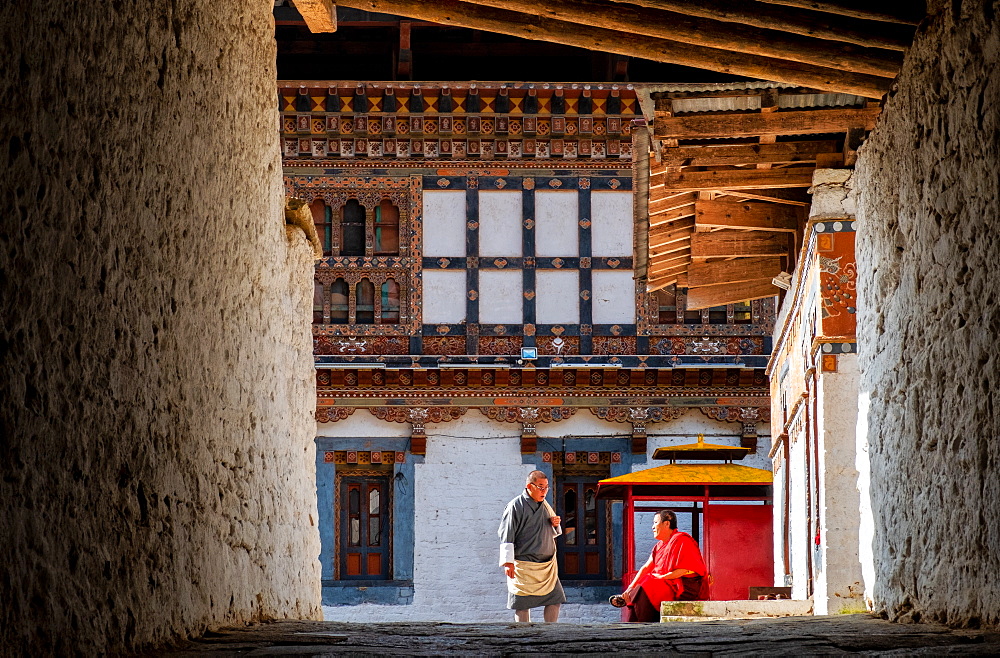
713, 610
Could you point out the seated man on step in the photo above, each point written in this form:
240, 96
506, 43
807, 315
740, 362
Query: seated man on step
675, 571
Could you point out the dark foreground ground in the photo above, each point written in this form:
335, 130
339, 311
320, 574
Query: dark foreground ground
850, 634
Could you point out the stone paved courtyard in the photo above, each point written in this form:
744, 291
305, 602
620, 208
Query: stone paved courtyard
850, 634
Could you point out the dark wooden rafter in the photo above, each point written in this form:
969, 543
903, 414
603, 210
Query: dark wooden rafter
698, 31
747, 124
842, 28
532, 26
746, 154
905, 13
733, 179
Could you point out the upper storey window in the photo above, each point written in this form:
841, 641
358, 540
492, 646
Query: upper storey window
352, 229
386, 228
323, 219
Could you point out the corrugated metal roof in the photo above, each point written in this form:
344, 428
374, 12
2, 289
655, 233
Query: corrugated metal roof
752, 102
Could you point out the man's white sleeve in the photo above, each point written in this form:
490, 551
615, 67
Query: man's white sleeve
506, 554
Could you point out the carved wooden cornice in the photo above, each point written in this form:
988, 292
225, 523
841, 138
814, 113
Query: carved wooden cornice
527, 415
418, 415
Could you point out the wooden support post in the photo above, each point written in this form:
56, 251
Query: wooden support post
319, 15
404, 60
529, 439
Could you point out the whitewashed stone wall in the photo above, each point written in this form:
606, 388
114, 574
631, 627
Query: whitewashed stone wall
839, 585
156, 389
928, 207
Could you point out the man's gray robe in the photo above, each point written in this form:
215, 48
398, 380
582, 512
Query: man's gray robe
526, 525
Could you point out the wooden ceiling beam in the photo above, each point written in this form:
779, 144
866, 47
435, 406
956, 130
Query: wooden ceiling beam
670, 229
660, 204
319, 15
749, 215
745, 154
660, 285
682, 240
747, 124
734, 179
504, 21
708, 296
730, 243
806, 23
904, 13
711, 33
761, 197
668, 218
666, 262
738, 270
670, 272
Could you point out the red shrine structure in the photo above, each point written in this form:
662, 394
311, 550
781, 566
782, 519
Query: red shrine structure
726, 507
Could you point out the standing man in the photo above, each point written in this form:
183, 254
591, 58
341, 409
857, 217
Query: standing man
675, 571
528, 534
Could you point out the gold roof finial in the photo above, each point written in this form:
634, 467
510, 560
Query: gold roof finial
701, 438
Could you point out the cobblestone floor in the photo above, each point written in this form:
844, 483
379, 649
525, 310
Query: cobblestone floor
850, 634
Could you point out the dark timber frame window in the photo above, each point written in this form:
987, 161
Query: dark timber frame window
364, 538
584, 545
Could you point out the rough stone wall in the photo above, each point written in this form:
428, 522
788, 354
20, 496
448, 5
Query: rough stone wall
928, 208
156, 386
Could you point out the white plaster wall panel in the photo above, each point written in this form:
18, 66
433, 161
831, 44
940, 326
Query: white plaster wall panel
841, 580
928, 205
582, 423
460, 492
557, 296
866, 521
362, 424
444, 296
778, 528
800, 540
612, 228
500, 223
557, 223
158, 476
501, 296
613, 295
444, 223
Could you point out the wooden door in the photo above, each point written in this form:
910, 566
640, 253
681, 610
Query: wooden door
364, 528
583, 544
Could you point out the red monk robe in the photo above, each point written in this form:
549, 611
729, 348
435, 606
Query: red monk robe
678, 551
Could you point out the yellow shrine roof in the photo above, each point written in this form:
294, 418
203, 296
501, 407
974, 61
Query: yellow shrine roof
701, 450
684, 474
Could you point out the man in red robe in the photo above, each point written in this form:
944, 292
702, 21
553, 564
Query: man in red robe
675, 571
